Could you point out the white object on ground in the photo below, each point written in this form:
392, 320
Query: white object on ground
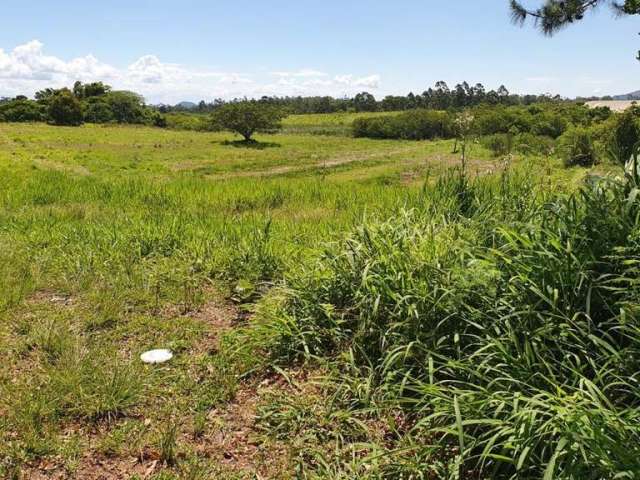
156, 356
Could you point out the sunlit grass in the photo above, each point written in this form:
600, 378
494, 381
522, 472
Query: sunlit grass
113, 240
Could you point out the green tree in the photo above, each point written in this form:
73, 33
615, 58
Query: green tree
247, 118
365, 102
88, 90
21, 109
97, 110
65, 108
556, 14
45, 96
126, 107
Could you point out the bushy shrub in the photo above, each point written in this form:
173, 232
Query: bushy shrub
530, 144
21, 110
576, 147
127, 107
65, 108
159, 120
549, 125
508, 336
500, 144
626, 134
411, 125
97, 110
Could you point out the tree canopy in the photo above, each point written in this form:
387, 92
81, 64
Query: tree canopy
248, 117
553, 15
65, 108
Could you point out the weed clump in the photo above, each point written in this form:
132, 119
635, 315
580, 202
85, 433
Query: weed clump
505, 330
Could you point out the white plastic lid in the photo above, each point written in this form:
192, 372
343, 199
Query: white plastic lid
156, 356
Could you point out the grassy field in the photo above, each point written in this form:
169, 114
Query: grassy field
117, 240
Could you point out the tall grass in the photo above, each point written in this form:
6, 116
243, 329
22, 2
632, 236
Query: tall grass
498, 317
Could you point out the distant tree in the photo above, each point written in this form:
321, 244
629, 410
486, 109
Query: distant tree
65, 108
78, 89
248, 117
21, 109
97, 110
45, 96
556, 14
95, 89
442, 95
503, 93
365, 102
126, 107
478, 93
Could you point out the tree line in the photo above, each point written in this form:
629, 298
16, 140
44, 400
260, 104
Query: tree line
91, 102
439, 97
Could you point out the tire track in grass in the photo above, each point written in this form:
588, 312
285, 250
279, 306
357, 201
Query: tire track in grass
328, 164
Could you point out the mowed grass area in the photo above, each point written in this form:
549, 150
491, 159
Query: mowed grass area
117, 240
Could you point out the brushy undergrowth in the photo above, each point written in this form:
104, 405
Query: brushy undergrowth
499, 319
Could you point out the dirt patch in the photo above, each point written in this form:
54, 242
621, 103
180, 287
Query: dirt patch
93, 467
235, 441
61, 167
328, 163
50, 297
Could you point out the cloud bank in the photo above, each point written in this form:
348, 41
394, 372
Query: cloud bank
27, 68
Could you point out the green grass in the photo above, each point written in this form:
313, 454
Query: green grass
116, 240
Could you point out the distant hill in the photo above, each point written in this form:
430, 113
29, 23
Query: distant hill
629, 96
187, 105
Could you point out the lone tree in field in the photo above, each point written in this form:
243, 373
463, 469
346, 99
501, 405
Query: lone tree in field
65, 108
247, 118
556, 14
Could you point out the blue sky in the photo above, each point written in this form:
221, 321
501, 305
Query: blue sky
192, 49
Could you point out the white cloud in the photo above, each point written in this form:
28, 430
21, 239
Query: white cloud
234, 79
27, 68
372, 81
305, 72
541, 79
28, 62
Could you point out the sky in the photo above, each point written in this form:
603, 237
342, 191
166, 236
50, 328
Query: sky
170, 50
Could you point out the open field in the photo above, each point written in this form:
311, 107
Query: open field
117, 240
614, 105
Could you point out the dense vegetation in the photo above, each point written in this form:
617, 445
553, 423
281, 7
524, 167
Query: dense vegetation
92, 103
439, 97
581, 135
496, 324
